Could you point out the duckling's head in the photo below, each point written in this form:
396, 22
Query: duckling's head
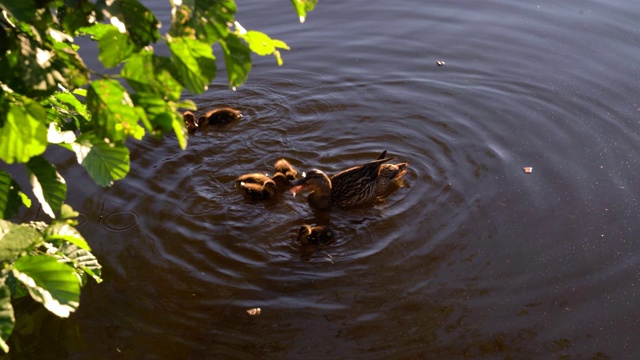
190, 121
314, 180
314, 235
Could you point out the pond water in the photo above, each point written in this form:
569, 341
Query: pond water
470, 258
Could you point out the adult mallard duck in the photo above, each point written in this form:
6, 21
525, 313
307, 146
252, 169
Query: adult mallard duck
349, 188
190, 121
259, 191
219, 116
314, 235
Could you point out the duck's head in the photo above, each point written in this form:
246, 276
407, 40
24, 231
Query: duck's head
314, 180
393, 171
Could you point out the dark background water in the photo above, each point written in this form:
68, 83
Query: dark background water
471, 258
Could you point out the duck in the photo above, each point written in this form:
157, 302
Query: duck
349, 188
257, 191
219, 116
190, 121
314, 234
284, 167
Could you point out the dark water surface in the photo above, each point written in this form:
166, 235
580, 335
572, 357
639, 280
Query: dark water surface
472, 258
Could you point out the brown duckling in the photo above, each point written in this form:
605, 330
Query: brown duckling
284, 167
314, 235
219, 116
281, 180
253, 178
348, 188
259, 191
190, 121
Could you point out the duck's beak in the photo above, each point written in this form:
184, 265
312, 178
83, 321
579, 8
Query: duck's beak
298, 185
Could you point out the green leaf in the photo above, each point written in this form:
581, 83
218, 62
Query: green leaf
67, 213
148, 73
61, 231
259, 42
49, 282
10, 196
82, 260
193, 63
205, 20
140, 23
36, 68
7, 317
23, 10
114, 47
302, 6
22, 135
104, 162
237, 57
113, 111
15, 239
180, 130
48, 185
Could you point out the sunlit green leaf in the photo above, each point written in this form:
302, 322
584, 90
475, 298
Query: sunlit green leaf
7, 318
237, 57
302, 7
193, 63
205, 20
61, 231
114, 47
148, 73
15, 239
112, 110
48, 185
67, 212
49, 282
104, 162
22, 135
180, 130
140, 23
82, 260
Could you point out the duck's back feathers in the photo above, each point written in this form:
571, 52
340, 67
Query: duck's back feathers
357, 185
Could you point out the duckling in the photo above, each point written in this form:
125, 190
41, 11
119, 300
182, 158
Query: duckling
284, 167
219, 116
253, 178
314, 234
259, 191
281, 180
190, 121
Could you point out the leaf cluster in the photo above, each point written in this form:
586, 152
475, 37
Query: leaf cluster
50, 98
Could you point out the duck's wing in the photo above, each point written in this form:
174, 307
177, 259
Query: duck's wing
356, 185
382, 155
